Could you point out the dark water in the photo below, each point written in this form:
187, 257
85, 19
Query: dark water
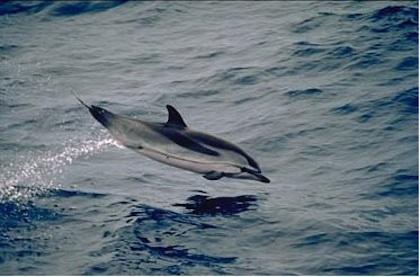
323, 94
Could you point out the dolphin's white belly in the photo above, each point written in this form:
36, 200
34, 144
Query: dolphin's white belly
190, 164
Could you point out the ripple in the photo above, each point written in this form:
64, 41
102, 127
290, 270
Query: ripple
210, 55
370, 266
307, 50
400, 185
20, 7
16, 214
409, 99
304, 93
395, 13
409, 63
345, 109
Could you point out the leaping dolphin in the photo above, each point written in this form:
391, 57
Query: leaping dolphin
175, 144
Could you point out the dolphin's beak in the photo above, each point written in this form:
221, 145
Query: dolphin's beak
263, 179
249, 175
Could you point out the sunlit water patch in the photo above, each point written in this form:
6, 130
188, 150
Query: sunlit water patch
35, 173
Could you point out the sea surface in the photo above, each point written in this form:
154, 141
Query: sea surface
324, 95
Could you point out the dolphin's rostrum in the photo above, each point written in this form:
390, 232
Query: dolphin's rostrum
175, 144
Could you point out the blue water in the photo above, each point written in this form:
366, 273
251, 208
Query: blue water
323, 94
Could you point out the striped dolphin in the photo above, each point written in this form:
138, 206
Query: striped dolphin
173, 143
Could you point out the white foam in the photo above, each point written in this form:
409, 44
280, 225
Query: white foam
35, 173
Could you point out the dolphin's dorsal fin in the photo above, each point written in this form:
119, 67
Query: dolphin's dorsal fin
175, 118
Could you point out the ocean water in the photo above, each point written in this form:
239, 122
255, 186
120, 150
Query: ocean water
323, 94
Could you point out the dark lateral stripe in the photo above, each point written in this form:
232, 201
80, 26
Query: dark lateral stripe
219, 143
184, 141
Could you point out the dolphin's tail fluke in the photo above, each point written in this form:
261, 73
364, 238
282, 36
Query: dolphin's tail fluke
103, 116
81, 101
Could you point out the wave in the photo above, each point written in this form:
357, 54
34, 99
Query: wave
395, 13
135, 237
396, 242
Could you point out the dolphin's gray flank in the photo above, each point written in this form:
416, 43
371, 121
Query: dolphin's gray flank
175, 144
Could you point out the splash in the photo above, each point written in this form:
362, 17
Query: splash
34, 174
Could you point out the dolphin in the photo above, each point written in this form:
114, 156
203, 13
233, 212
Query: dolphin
175, 144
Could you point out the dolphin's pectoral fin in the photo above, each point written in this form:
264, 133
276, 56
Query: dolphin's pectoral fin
175, 118
213, 175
